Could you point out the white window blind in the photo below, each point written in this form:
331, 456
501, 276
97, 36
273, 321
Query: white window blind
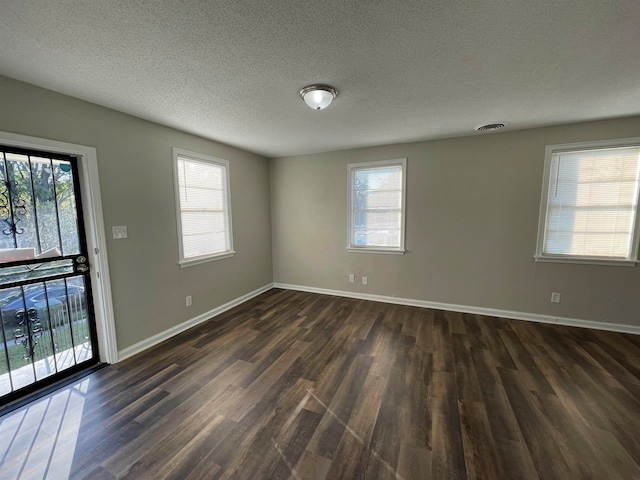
203, 205
377, 205
591, 204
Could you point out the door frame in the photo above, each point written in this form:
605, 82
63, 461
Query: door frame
94, 231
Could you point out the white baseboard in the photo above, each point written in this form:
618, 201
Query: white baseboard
162, 336
491, 312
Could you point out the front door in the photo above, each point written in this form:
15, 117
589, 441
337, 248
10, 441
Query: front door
47, 326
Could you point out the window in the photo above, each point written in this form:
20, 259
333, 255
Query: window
203, 207
589, 208
376, 206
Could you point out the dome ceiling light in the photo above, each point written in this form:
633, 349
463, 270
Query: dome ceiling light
318, 97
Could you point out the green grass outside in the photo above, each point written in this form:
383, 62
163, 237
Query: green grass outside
44, 347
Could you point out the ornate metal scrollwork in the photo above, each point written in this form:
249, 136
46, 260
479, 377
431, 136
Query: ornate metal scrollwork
29, 331
5, 206
12, 208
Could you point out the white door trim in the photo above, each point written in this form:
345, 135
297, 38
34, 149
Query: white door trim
94, 229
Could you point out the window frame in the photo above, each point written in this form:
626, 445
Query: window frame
351, 168
540, 256
208, 160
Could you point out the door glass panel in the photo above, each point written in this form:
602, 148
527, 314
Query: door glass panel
18, 341
61, 324
46, 329
66, 199
77, 301
38, 313
37, 208
45, 201
20, 221
45, 318
8, 326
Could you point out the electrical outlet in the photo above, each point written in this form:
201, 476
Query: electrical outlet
555, 297
365, 280
188, 301
352, 278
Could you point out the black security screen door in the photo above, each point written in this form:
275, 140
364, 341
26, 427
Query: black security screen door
47, 328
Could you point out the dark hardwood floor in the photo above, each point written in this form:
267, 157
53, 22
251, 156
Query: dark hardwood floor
305, 386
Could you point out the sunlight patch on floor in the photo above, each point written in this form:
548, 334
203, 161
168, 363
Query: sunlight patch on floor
39, 440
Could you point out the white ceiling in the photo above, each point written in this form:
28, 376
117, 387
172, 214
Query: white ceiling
406, 70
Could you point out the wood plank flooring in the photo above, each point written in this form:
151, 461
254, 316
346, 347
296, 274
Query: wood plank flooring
294, 385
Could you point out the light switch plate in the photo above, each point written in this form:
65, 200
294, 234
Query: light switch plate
119, 232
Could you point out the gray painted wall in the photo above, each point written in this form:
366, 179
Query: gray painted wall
136, 179
472, 219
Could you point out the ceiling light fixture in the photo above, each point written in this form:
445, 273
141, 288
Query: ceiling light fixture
318, 97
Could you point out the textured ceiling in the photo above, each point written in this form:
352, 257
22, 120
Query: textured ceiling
230, 70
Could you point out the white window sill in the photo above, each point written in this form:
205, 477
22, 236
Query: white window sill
391, 251
585, 260
206, 259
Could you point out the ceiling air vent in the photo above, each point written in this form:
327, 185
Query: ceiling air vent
489, 127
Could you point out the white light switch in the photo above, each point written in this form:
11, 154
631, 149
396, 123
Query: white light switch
119, 232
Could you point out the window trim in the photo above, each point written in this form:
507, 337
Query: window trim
206, 159
402, 162
539, 256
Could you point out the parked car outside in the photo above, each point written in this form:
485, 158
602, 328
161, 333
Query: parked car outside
11, 301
